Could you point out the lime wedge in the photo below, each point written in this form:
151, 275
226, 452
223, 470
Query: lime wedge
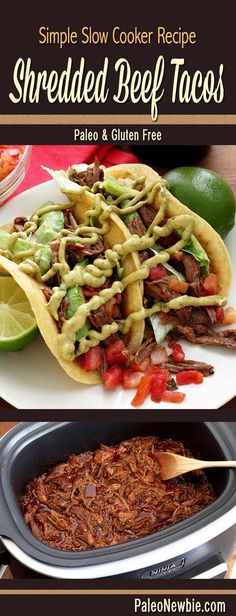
17, 323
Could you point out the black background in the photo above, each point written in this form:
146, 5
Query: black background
92, 604
113, 414
40, 134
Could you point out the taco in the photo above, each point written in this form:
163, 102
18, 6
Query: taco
183, 262
79, 287
116, 270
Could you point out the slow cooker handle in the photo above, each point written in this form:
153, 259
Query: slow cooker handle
7, 523
4, 556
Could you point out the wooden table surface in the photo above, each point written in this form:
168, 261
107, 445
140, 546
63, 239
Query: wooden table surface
222, 159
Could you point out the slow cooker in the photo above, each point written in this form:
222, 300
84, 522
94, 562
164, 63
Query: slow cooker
196, 548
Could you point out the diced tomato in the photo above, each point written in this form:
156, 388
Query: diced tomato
114, 353
112, 377
156, 370
173, 396
131, 378
187, 377
142, 366
144, 389
9, 158
229, 316
91, 360
220, 315
13, 151
158, 386
179, 286
210, 285
157, 272
178, 353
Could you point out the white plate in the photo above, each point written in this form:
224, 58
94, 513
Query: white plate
32, 379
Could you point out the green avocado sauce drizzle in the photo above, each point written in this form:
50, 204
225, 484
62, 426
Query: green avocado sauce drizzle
35, 259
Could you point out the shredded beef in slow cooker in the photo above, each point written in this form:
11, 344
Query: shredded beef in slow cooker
112, 495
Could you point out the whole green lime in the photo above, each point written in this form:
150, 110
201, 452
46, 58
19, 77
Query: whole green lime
205, 193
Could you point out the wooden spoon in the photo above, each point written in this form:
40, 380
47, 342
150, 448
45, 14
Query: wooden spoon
172, 465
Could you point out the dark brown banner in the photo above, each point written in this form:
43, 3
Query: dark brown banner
121, 62
123, 603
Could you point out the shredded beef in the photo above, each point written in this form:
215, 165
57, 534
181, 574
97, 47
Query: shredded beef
86, 250
136, 226
199, 316
103, 365
79, 251
55, 245
113, 307
201, 329
189, 364
192, 323
211, 313
111, 496
89, 177
168, 241
47, 293
55, 280
19, 223
192, 273
109, 312
159, 289
144, 255
183, 315
69, 220
89, 291
194, 316
98, 318
195, 288
138, 354
75, 252
62, 312
204, 335
147, 214
192, 268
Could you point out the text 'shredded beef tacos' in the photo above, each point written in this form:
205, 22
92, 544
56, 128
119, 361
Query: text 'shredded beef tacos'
63, 263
